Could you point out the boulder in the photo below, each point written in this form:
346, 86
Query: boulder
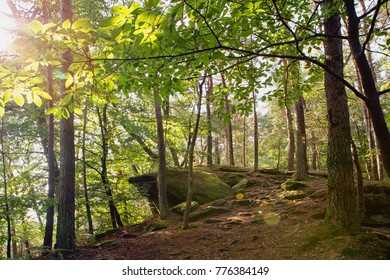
240, 186
180, 208
291, 185
207, 186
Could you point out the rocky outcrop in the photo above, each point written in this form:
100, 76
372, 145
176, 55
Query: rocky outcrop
207, 186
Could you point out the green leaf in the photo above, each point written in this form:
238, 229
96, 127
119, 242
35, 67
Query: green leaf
51, 110
83, 23
120, 10
37, 100
41, 93
35, 26
18, 98
78, 111
66, 24
65, 113
2, 111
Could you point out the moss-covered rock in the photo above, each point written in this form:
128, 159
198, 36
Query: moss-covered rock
377, 187
292, 195
207, 212
207, 186
377, 203
157, 225
240, 186
291, 185
180, 208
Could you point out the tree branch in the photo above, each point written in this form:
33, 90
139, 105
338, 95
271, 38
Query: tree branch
372, 27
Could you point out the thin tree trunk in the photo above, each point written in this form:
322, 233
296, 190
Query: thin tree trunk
162, 165
7, 210
359, 179
191, 158
291, 140
229, 128
302, 172
289, 120
173, 151
103, 122
368, 81
255, 136
244, 143
209, 125
85, 184
342, 195
378, 166
66, 235
50, 154
217, 152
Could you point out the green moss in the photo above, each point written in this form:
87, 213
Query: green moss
291, 185
158, 225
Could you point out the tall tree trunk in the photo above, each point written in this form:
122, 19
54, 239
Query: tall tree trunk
48, 147
342, 208
289, 120
217, 152
368, 81
191, 158
377, 164
244, 143
162, 165
372, 172
314, 156
359, 182
85, 184
209, 125
66, 235
255, 136
175, 158
7, 210
53, 169
103, 122
302, 172
291, 140
229, 128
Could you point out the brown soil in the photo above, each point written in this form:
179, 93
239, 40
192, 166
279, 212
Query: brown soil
262, 225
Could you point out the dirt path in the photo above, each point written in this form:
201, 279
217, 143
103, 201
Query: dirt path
261, 225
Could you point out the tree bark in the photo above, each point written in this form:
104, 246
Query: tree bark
255, 136
302, 170
191, 158
7, 210
103, 122
229, 128
162, 165
85, 184
209, 119
342, 208
66, 235
368, 81
291, 140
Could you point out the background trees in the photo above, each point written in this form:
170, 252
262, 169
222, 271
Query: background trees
130, 67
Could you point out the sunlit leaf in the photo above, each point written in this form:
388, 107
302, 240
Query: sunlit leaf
37, 100
121, 10
35, 26
78, 111
83, 23
66, 24
2, 111
18, 98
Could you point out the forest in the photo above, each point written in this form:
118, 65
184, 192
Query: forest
107, 106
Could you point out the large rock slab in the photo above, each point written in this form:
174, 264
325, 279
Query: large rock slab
207, 186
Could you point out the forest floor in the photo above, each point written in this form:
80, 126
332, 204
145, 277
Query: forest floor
262, 225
